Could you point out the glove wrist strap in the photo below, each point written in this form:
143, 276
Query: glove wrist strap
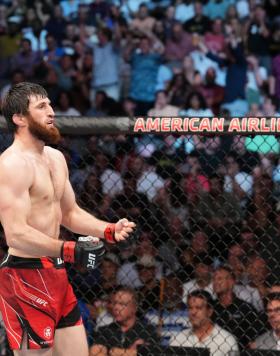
109, 233
68, 251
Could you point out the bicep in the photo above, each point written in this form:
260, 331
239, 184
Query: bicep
15, 201
68, 200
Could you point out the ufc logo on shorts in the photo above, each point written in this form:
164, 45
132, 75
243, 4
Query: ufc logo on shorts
91, 260
48, 332
41, 301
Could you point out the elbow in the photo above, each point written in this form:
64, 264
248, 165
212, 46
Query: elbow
14, 236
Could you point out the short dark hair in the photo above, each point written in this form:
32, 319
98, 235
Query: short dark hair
107, 33
128, 290
270, 297
202, 294
17, 101
226, 268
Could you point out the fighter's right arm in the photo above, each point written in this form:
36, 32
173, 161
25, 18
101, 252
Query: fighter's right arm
16, 178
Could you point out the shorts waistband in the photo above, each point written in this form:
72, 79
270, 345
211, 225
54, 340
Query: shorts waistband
31, 263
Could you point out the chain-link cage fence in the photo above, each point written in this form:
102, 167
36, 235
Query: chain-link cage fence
201, 271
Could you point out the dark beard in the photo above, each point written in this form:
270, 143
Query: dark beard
47, 135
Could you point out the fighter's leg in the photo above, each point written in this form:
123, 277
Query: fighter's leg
26, 352
71, 341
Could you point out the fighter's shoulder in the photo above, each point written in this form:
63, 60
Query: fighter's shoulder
53, 153
13, 166
11, 159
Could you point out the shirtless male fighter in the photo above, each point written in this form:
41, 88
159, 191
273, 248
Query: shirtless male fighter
37, 302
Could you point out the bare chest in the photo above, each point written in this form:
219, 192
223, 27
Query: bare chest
49, 182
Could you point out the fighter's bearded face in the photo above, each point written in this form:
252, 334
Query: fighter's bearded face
41, 120
46, 132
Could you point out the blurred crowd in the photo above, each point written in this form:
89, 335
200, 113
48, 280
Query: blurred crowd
202, 269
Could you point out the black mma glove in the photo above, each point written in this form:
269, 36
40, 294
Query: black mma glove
87, 252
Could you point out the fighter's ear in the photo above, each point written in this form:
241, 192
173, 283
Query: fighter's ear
19, 120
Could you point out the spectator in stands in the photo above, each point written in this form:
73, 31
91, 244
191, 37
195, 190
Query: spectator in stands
216, 8
171, 316
102, 313
237, 182
159, 30
32, 27
232, 313
178, 45
248, 240
195, 182
198, 245
177, 90
184, 10
221, 212
50, 81
195, 106
149, 292
192, 76
203, 267
202, 62
133, 203
258, 274
248, 160
25, 59
91, 197
111, 179
171, 242
144, 54
115, 17
128, 273
126, 332
199, 23
64, 105
142, 21
204, 332
83, 18
261, 208
9, 42
148, 180
98, 104
270, 339
211, 91
257, 78
17, 76
106, 57
162, 107
258, 35
108, 280
53, 52
219, 215
238, 261
99, 11
236, 68
214, 38
66, 72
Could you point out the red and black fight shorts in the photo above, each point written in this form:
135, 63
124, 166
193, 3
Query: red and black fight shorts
36, 298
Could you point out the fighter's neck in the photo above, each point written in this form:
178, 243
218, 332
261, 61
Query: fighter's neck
29, 143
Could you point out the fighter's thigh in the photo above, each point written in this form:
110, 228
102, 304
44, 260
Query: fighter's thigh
42, 352
28, 352
71, 341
